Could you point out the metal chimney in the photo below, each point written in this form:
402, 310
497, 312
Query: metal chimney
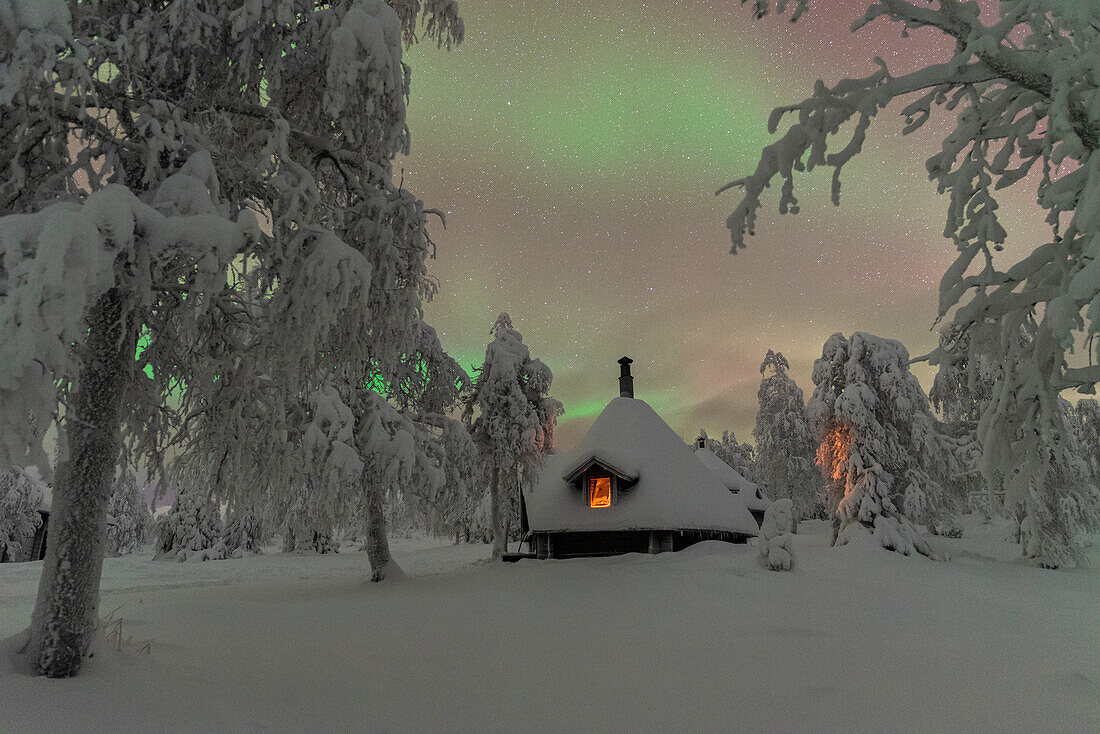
626, 381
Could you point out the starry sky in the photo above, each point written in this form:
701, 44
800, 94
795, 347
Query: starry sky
576, 146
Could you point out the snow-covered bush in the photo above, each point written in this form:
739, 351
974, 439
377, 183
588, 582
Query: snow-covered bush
191, 529
132, 519
1019, 86
785, 446
20, 499
884, 460
776, 540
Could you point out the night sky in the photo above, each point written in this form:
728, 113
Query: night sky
576, 147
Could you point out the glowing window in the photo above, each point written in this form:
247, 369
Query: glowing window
599, 492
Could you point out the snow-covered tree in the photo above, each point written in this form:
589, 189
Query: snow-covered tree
514, 425
132, 519
191, 529
392, 462
1088, 416
785, 445
1020, 90
776, 540
883, 459
303, 530
961, 393
216, 179
20, 498
447, 508
246, 530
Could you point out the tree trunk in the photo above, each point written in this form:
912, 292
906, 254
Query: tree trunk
378, 546
497, 517
66, 611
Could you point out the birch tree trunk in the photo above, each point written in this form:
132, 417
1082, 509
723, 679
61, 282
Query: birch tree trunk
66, 610
378, 545
496, 516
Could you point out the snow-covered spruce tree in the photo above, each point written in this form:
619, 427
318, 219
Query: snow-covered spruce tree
1020, 91
785, 446
191, 529
132, 519
513, 428
883, 460
208, 177
20, 498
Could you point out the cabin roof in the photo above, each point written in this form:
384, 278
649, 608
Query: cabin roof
749, 492
674, 490
619, 464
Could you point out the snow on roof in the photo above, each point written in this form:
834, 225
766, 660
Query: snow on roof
612, 459
749, 492
674, 491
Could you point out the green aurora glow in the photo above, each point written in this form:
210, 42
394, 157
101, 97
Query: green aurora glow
576, 147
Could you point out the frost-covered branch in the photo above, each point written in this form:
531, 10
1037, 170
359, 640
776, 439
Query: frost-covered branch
1024, 101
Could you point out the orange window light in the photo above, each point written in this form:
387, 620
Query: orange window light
599, 492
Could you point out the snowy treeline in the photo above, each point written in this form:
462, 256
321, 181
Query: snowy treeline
740, 456
1018, 88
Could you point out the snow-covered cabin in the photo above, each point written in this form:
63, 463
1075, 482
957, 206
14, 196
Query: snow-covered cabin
631, 485
749, 492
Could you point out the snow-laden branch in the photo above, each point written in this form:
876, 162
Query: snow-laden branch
1025, 98
803, 147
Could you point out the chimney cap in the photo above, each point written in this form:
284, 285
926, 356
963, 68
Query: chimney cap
626, 360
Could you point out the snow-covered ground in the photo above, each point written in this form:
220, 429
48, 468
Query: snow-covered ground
854, 639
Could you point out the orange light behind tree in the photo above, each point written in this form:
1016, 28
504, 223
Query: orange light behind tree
832, 454
599, 492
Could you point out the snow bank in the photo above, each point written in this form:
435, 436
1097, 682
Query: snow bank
853, 639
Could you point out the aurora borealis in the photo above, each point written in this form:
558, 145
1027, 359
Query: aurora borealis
576, 146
